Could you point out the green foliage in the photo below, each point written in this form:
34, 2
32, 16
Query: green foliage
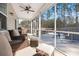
59, 23
25, 23
48, 23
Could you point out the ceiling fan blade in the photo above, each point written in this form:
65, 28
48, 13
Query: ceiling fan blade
25, 11
22, 7
22, 10
31, 10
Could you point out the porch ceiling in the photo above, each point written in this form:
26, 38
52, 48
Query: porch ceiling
37, 7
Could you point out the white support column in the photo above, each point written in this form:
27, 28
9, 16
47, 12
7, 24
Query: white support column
17, 23
35, 27
39, 26
31, 27
68, 34
55, 27
0, 24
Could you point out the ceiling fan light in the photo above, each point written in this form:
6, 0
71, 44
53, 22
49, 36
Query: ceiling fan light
11, 13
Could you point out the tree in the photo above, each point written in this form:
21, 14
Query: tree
77, 10
25, 23
69, 11
48, 23
48, 14
61, 9
59, 23
64, 10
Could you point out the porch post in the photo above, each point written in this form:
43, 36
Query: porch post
39, 26
55, 27
35, 27
31, 27
17, 23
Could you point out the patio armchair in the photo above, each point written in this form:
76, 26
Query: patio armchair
16, 37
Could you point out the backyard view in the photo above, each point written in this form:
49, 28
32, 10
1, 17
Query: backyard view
67, 21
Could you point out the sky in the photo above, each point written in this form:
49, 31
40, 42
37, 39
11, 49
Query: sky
71, 7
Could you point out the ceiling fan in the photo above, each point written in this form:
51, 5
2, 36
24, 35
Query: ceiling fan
27, 8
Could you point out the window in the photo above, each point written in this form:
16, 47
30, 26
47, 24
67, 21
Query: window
47, 22
3, 7
3, 20
3, 24
67, 24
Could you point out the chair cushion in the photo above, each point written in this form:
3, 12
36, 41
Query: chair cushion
20, 30
16, 33
5, 48
6, 34
13, 33
24, 30
33, 42
46, 48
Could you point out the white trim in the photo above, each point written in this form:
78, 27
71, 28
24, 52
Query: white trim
39, 26
17, 23
3, 13
35, 27
31, 27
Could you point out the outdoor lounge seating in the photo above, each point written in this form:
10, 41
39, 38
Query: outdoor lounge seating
24, 48
5, 48
14, 41
9, 49
6, 34
16, 37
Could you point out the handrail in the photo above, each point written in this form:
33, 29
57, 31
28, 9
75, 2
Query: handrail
3, 13
68, 32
